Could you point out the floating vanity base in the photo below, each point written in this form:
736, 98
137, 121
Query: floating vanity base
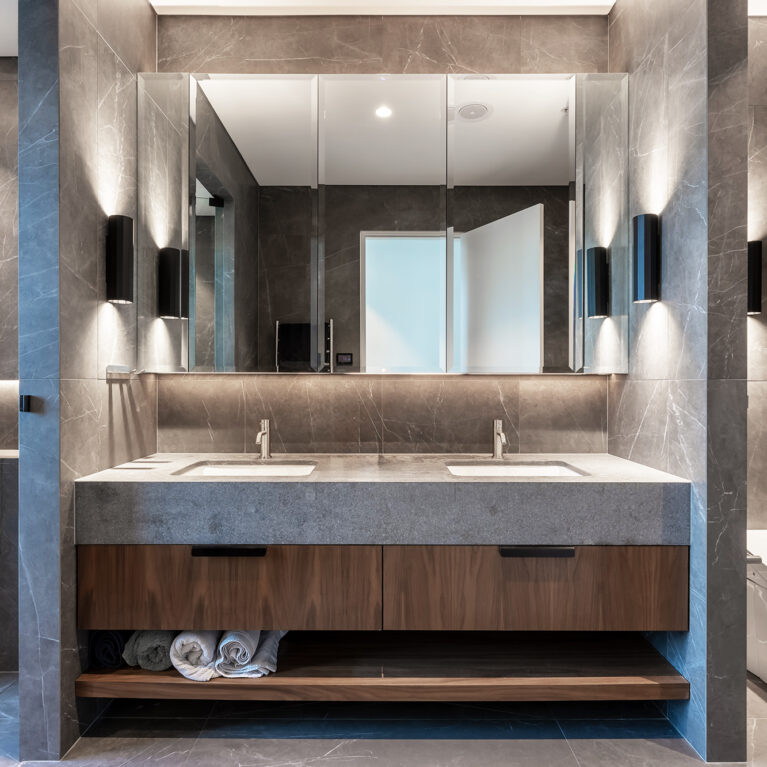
428, 666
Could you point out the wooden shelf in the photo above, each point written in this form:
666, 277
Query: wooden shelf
428, 666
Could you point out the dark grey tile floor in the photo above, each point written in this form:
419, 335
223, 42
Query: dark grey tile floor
201, 734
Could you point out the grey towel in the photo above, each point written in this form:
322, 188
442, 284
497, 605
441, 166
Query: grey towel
149, 649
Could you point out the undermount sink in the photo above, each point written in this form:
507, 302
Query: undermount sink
491, 468
268, 468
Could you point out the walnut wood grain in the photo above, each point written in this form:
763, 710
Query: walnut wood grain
291, 588
601, 588
410, 666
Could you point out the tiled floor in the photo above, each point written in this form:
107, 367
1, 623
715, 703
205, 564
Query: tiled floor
200, 734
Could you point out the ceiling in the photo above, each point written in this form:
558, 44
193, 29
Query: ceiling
9, 9
273, 122
380, 7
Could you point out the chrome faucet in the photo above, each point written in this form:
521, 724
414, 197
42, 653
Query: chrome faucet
499, 439
264, 439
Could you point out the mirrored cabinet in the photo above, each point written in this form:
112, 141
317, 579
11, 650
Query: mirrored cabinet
434, 224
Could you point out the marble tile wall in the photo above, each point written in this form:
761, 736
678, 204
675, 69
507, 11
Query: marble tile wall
9, 219
204, 294
381, 414
604, 121
286, 228
77, 106
370, 44
9, 557
682, 407
162, 172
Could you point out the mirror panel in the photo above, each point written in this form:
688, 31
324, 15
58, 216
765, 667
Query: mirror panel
382, 185
511, 166
381, 223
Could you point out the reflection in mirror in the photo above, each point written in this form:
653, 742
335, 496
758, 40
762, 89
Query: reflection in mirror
382, 190
382, 223
511, 165
256, 152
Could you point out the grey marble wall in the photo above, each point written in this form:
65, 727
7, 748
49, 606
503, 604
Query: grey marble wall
286, 228
205, 293
163, 213
603, 124
9, 219
382, 414
77, 116
682, 407
365, 44
9, 557
757, 230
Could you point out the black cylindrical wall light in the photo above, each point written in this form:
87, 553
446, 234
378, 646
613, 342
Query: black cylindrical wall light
755, 277
646, 258
169, 283
119, 266
184, 284
598, 277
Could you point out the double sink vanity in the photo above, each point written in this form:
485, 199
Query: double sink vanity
533, 569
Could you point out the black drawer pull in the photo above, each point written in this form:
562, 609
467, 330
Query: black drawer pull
228, 551
540, 552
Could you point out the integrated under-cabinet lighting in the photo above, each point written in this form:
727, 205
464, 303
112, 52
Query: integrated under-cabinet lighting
755, 277
646, 258
598, 277
119, 262
383, 111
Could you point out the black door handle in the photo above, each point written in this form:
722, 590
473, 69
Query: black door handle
539, 552
228, 551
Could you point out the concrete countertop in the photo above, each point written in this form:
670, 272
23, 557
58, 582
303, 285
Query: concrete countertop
383, 499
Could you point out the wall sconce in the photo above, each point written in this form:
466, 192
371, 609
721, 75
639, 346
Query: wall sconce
646, 258
184, 284
598, 276
755, 277
119, 266
169, 284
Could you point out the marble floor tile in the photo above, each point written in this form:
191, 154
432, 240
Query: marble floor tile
381, 753
756, 698
9, 739
9, 701
633, 752
122, 752
7, 678
756, 734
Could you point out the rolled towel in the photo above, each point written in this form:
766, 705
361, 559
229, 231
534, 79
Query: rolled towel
105, 648
248, 653
193, 654
149, 649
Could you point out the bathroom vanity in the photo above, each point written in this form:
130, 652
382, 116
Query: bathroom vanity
397, 545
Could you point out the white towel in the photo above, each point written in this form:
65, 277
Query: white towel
193, 654
248, 653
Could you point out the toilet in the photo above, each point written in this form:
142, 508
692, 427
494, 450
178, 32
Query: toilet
756, 586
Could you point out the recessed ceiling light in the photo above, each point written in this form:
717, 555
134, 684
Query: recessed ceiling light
383, 111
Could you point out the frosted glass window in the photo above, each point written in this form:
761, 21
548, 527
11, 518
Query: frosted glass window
403, 311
